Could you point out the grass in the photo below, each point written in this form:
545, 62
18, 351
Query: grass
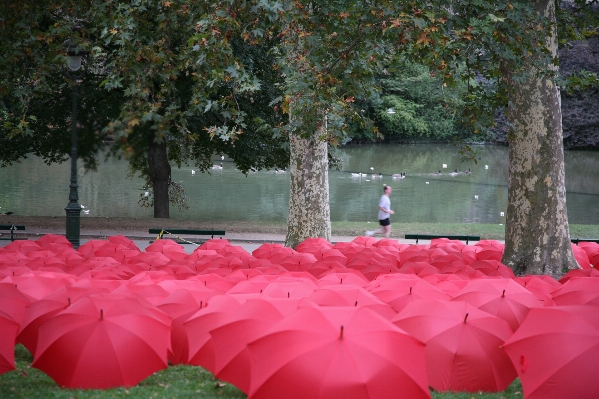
174, 382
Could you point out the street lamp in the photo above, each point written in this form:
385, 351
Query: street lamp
73, 209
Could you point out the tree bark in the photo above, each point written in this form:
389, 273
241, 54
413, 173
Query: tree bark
537, 233
160, 173
309, 207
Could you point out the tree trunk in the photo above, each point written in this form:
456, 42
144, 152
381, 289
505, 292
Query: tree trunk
537, 233
160, 173
309, 208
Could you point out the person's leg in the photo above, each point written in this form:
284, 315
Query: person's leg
387, 230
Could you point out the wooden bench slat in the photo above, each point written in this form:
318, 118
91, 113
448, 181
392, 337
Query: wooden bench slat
12, 228
192, 232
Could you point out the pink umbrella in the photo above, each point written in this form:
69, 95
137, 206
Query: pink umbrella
196, 329
581, 257
555, 352
348, 295
88, 249
577, 291
418, 268
401, 289
311, 243
336, 352
52, 239
41, 310
342, 276
13, 301
122, 240
500, 297
289, 288
250, 321
8, 333
103, 341
463, 345
22, 246
579, 273
365, 241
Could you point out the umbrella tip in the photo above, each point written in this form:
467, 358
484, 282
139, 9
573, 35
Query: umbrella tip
410, 290
356, 304
341, 281
503, 295
101, 314
69, 300
465, 317
341, 333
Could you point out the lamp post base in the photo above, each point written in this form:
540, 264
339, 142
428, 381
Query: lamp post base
73, 232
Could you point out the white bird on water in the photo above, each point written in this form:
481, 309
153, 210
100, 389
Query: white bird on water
218, 167
476, 197
444, 166
193, 172
86, 212
147, 194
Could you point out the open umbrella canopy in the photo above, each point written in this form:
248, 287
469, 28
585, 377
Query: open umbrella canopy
232, 362
577, 291
8, 334
556, 352
13, 301
502, 297
463, 345
348, 295
337, 352
41, 310
400, 289
103, 341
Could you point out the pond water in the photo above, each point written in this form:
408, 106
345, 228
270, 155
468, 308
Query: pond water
33, 188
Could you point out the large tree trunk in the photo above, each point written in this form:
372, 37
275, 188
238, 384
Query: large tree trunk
160, 173
309, 208
537, 236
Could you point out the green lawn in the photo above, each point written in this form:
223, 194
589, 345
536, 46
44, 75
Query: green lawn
175, 382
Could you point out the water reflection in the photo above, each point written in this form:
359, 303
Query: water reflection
33, 188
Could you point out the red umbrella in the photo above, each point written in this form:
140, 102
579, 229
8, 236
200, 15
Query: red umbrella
577, 291
37, 286
365, 241
119, 239
418, 268
556, 352
501, 297
87, 249
8, 334
348, 295
579, 273
13, 301
22, 246
298, 261
52, 239
267, 250
321, 267
342, 276
196, 329
215, 243
289, 288
336, 352
540, 285
309, 244
374, 271
463, 345
349, 249
39, 311
581, 257
103, 341
401, 289
213, 281
249, 322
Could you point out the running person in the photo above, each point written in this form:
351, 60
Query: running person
384, 214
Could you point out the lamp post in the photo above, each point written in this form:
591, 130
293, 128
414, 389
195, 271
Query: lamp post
73, 209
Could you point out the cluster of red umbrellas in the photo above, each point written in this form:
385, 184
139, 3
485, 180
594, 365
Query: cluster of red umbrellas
360, 319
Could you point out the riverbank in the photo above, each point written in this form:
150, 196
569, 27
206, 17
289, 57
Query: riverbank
252, 230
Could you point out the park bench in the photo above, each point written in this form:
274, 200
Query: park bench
187, 232
449, 236
12, 228
577, 240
